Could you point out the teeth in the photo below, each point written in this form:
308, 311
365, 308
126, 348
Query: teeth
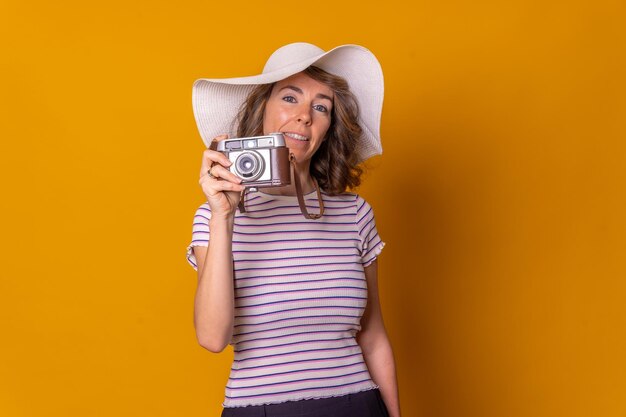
296, 136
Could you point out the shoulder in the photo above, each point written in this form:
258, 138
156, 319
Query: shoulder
363, 208
343, 197
347, 202
357, 199
350, 203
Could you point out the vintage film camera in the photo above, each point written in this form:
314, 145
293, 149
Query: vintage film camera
260, 161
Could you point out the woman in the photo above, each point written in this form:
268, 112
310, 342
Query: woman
296, 297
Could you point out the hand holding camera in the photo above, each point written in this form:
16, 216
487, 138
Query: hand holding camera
250, 163
221, 187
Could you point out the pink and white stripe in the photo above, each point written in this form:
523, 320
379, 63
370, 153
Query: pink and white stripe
300, 292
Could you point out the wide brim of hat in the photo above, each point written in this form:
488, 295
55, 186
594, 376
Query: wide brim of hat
216, 102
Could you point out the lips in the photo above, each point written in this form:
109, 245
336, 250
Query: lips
296, 136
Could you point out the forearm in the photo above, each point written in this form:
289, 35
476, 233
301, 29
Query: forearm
380, 362
214, 301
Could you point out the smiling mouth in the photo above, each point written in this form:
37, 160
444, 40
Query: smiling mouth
296, 136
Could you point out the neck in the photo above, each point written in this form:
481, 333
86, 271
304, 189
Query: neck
306, 181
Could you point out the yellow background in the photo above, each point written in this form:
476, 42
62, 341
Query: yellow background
500, 194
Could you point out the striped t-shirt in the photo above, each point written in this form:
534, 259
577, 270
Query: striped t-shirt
300, 292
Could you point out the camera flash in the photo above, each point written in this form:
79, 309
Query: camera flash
250, 144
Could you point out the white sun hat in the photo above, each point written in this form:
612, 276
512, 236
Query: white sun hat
216, 102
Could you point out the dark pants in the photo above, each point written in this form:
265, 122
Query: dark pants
362, 404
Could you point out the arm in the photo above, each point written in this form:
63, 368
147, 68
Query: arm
214, 299
376, 346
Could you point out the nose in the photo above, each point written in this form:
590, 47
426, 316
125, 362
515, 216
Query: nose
304, 115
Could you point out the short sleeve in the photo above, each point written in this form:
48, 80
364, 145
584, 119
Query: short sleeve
200, 232
370, 243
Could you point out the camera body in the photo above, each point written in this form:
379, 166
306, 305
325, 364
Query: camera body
260, 161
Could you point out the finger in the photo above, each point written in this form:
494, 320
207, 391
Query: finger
213, 187
219, 173
211, 154
215, 141
210, 158
229, 186
212, 180
223, 173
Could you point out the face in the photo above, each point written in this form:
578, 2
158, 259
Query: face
300, 108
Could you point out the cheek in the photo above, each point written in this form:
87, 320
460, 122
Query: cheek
272, 118
269, 121
323, 128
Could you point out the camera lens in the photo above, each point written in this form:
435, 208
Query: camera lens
249, 165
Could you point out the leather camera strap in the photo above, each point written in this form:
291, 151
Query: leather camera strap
296, 181
242, 207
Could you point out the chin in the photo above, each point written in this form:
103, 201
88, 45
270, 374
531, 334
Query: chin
297, 146
301, 156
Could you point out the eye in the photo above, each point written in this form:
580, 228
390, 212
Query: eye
289, 99
321, 108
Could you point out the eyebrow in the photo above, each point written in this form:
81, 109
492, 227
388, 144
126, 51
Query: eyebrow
299, 90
